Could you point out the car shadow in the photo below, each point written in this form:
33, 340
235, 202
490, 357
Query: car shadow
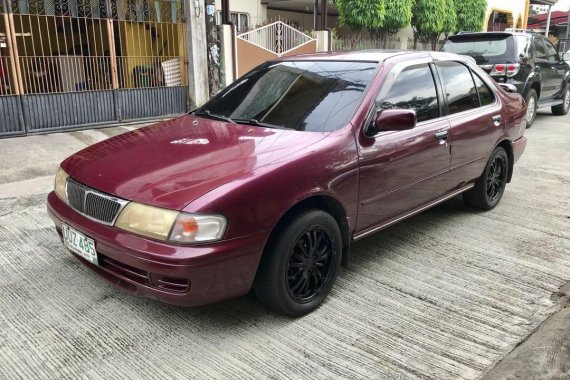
247, 310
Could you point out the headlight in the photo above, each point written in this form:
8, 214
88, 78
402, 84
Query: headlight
60, 181
145, 220
170, 225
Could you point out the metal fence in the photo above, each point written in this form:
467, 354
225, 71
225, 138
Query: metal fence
362, 42
277, 37
77, 63
358, 42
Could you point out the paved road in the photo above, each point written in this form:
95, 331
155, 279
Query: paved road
446, 294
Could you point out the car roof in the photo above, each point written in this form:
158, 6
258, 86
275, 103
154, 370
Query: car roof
357, 55
461, 35
372, 56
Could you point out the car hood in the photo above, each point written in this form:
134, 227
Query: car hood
174, 162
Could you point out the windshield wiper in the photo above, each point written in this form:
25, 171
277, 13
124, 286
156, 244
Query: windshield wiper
215, 116
260, 123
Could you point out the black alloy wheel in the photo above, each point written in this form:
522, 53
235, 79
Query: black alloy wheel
496, 178
300, 263
489, 188
309, 265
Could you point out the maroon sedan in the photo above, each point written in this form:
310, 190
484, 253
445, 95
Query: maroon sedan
267, 185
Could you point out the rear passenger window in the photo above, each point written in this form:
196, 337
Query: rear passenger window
551, 51
458, 86
414, 88
539, 49
486, 96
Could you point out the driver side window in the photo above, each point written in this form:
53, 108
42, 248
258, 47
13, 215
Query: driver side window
414, 88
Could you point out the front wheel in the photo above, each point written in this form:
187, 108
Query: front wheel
490, 187
562, 109
300, 263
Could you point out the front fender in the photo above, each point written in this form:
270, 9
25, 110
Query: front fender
255, 203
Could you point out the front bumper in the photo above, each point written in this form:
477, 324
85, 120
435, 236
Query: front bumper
176, 274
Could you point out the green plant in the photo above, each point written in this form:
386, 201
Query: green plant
449, 16
398, 16
427, 21
470, 15
361, 15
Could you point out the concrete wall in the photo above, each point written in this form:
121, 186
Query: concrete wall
305, 20
517, 8
257, 11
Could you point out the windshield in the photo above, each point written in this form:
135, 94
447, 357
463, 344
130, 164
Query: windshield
315, 96
478, 47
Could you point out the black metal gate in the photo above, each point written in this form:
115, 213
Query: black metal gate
69, 64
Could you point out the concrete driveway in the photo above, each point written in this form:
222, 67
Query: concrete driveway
445, 294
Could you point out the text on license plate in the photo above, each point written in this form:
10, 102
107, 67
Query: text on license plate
80, 244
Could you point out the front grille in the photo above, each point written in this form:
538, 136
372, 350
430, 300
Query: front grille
76, 196
92, 203
100, 208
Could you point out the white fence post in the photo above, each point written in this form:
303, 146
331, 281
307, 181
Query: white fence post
227, 54
323, 39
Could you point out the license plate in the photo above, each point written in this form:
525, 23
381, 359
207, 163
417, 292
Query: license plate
79, 244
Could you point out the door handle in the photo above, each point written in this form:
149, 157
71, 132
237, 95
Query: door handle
497, 120
440, 136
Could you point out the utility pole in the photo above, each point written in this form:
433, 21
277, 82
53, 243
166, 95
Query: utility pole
213, 42
195, 41
547, 32
568, 24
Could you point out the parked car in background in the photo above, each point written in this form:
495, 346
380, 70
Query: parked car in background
268, 184
526, 60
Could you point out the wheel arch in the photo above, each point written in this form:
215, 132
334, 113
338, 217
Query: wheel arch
534, 85
326, 203
506, 145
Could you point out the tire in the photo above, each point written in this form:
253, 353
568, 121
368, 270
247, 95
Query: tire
489, 188
562, 109
295, 276
531, 101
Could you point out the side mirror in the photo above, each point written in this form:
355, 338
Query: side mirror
508, 87
392, 120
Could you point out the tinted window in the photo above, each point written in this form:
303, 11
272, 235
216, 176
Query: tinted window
551, 51
539, 49
486, 96
414, 88
524, 46
459, 87
314, 96
481, 46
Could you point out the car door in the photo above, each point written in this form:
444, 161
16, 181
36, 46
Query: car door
558, 68
402, 170
544, 68
475, 118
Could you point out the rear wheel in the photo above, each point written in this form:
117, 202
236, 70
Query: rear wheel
490, 187
531, 104
562, 109
300, 264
